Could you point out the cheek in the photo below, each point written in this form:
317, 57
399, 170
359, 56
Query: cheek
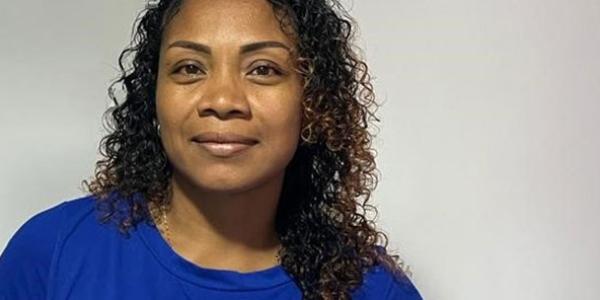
279, 113
171, 111
280, 144
282, 107
284, 124
162, 109
173, 105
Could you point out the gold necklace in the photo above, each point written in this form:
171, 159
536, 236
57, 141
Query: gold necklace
159, 215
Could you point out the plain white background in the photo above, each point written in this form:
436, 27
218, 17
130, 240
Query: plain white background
488, 146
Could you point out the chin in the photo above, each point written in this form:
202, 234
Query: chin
225, 186
228, 182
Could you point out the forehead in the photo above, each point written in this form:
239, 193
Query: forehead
225, 21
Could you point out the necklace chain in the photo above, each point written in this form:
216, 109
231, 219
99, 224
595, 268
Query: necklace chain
160, 218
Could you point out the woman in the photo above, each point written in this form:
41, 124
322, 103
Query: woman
238, 167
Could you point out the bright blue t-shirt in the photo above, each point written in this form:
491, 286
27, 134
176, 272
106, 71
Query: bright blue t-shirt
65, 253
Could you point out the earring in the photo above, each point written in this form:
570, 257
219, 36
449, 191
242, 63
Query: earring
158, 129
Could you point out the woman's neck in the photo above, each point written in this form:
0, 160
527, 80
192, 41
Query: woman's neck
223, 230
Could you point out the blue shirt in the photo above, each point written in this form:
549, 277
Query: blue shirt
64, 252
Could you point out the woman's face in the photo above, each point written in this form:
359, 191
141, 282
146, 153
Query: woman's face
217, 77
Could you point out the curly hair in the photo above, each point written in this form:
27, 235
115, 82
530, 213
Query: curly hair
328, 240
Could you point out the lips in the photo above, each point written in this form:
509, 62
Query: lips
223, 144
223, 137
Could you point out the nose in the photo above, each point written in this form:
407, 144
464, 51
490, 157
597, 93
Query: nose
224, 97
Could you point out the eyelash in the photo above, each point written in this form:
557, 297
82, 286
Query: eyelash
276, 71
178, 70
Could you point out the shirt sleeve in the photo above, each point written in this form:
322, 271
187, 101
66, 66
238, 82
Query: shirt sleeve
402, 289
26, 260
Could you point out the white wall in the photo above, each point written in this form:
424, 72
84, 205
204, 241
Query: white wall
57, 59
489, 143
488, 146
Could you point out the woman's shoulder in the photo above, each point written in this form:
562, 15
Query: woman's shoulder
26, 261
382, 283
387, 285
48, 223
42, 228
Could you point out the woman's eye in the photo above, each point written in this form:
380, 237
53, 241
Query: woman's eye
192, 70
264, 70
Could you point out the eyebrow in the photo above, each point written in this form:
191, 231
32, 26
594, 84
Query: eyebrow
243, 49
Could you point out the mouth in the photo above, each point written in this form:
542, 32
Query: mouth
224, 144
